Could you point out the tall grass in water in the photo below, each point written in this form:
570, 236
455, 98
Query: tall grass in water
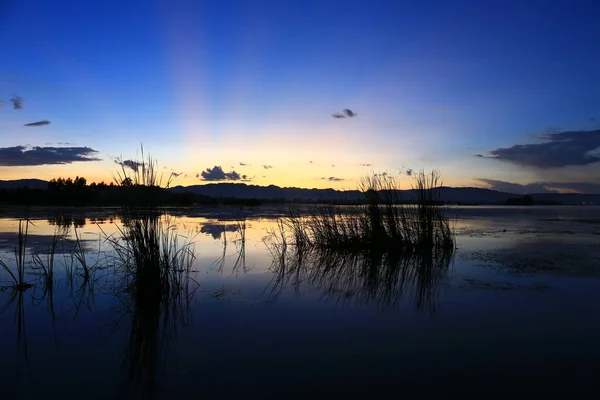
384, 222
155, 283
155, 262
18, 279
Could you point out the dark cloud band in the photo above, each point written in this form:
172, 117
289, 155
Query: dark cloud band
557, 150
24, 156
39, 123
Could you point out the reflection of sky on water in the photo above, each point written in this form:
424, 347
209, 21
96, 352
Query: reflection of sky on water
326, 327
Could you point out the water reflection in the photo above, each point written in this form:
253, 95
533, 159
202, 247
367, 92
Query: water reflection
78, 221
150, 313
216, 230
155, 289
17, 300
383, 279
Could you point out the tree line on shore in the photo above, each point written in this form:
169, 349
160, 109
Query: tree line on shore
77, 192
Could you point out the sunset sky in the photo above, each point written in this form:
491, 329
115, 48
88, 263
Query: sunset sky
499, 94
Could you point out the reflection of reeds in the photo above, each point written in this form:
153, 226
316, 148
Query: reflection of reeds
17, 297
155, 268
47, 266
79, 254
20, 253
48, 296
381, 278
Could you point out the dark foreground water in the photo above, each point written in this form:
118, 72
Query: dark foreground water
515, 309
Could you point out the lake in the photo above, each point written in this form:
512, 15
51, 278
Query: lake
516, 308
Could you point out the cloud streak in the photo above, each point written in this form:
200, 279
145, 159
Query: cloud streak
333, 179
557, 150
541, 187
39, 123
23, 156
267, 166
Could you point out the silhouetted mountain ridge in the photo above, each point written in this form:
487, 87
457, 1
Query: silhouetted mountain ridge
23, 183
464, 195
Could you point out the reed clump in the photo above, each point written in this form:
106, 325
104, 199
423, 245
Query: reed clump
383, 221
150, 249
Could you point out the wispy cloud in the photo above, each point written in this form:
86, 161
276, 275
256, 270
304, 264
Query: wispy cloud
39, 123
366, 165
17, 102
346, 113
557, 150
243, 164
131, 164
509, 187
349, 113
579, 187
28, 156
217, 174
332, 179
267, 166
541, 187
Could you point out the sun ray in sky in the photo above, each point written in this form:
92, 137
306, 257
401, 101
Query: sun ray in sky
205, 84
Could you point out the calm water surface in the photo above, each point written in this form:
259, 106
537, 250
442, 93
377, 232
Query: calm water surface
517, 308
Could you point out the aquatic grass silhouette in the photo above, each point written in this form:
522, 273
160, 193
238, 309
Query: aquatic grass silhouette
47, 265
142, 172
385, 221
18, 280
155, 261
80, 255
149, 244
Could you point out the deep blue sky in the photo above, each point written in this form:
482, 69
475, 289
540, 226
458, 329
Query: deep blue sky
223, 82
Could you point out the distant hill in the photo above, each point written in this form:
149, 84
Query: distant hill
22, 183
241, 190
463, 195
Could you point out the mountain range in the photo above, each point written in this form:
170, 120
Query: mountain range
464, 195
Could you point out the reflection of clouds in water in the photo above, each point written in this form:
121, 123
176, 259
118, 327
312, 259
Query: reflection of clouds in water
39, 244
216, 229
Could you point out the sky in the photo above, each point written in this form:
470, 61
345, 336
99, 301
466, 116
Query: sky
496, 94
